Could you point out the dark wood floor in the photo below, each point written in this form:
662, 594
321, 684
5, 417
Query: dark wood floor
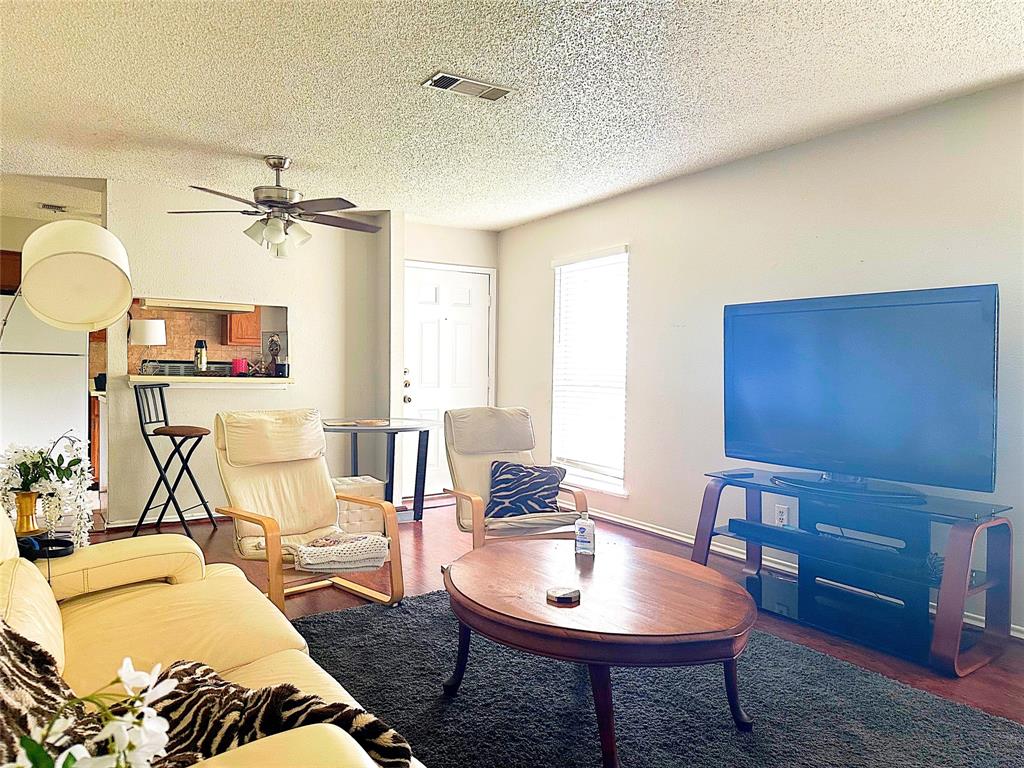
426, 546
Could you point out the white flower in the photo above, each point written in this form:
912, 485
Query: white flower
100, 761
56, 735
117, 730
77, 751
132, 678
158, 691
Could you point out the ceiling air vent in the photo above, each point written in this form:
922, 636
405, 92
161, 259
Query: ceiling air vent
463, 85
53, 207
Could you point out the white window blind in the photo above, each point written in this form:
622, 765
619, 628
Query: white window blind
588, 428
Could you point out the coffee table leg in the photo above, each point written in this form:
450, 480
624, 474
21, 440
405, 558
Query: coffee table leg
601, 685
732, 689
451, 685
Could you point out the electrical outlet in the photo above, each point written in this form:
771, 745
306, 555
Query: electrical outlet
782, 514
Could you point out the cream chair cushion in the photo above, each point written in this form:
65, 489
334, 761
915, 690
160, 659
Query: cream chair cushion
27, 604
290, 486
222, 620
250, 438
477, 437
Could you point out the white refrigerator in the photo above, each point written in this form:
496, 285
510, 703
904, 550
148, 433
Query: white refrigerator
44, 379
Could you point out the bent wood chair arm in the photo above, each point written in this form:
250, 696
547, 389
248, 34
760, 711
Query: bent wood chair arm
390, 516
477, 507
579, 498
479, 531
272, 539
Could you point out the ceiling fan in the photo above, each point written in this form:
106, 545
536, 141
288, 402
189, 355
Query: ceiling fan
280, 210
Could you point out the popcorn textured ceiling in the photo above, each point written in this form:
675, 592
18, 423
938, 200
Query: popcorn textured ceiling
608, 96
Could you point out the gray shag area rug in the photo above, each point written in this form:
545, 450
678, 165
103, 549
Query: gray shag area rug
515, 710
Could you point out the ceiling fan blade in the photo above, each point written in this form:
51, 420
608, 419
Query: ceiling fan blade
245, 213
225, 194
323, 205
339, 221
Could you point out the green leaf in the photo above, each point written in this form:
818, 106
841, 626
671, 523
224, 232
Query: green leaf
60, 460
74, 462
36, 754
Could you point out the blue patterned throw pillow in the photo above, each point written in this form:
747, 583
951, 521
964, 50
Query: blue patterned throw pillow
517, 489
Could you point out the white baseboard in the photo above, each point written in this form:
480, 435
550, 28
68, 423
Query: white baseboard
720, 548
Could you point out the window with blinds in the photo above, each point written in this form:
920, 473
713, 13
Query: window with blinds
588, 424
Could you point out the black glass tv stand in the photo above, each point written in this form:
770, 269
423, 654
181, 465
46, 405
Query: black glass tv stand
866, 569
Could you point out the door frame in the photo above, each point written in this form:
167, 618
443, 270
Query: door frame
492, 319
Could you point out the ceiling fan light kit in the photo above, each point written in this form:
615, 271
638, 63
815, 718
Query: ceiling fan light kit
280, 209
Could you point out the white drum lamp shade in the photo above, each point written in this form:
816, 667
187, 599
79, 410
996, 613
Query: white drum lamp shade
149, 333
75, 276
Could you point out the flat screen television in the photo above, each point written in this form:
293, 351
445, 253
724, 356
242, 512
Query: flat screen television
897, 386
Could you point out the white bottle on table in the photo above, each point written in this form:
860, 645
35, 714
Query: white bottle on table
585, 530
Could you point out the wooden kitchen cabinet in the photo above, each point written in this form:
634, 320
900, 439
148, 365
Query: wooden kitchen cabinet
10, 272
94, 438
243, 329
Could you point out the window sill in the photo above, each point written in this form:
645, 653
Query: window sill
617, 491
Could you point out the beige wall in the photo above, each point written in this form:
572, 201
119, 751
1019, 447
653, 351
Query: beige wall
931, 198
207, 257
450, 245
14, 231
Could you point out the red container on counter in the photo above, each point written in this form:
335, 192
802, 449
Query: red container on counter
239, 366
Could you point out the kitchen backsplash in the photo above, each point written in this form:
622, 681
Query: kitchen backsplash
183, 328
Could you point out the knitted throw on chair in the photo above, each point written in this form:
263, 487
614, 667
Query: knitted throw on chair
207, 714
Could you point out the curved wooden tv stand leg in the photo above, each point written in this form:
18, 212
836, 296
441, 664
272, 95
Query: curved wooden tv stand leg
706, 525
706, 520
955, 588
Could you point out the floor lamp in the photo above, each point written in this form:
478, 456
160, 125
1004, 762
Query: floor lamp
74, 276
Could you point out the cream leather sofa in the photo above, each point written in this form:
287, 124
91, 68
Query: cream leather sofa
155, 599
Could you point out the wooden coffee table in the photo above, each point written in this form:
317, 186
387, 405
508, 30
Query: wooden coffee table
638, 608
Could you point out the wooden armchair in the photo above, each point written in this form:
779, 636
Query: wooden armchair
280, 496
475, 438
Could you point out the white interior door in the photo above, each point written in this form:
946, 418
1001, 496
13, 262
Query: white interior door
448, 354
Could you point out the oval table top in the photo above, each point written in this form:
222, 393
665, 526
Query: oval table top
629, 596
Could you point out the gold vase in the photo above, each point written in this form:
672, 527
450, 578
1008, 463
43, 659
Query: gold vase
26, 504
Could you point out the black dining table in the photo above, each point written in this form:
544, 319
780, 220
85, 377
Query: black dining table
390, 428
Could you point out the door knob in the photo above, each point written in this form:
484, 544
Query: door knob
406, 399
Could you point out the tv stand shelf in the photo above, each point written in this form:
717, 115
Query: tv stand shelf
877, 585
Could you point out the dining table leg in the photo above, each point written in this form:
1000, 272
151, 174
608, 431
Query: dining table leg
389, 485
355, 454
601, 685
421, 474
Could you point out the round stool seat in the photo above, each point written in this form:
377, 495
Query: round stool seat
181, 431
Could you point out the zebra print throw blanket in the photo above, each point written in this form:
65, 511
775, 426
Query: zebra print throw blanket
207, 714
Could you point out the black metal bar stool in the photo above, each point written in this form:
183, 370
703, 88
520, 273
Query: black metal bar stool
152, 407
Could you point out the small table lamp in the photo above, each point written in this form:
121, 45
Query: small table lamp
147, 333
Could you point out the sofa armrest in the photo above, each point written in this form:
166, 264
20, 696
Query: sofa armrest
311, 746
166, 557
